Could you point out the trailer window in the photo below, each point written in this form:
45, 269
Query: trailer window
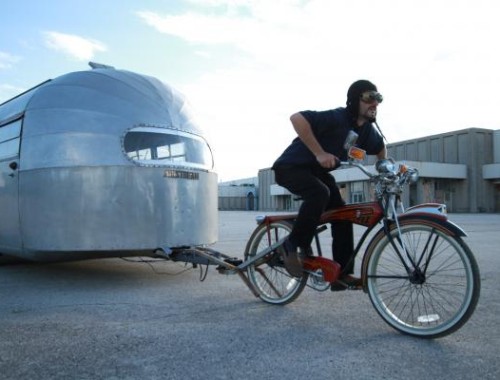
9, 139
167, 147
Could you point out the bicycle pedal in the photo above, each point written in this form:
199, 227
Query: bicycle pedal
340, 287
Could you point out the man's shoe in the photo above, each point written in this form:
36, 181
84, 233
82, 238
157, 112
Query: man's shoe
345, 282
291, 259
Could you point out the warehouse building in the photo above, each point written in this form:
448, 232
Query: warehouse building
460, 169
238, 194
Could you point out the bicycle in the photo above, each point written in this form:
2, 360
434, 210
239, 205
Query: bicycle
420, 275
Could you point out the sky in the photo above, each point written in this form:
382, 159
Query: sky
247, 65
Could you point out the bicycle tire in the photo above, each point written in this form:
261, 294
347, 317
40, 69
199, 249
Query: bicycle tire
269, 276
429, 306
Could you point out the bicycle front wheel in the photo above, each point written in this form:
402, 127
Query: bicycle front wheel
268, 275
437, 290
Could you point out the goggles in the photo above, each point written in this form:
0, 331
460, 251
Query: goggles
371, 97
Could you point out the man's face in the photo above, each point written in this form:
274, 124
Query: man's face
368, 103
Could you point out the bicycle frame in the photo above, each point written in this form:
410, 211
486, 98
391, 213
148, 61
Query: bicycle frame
367, 214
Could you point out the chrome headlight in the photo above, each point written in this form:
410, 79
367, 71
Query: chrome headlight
413, 176
385, 166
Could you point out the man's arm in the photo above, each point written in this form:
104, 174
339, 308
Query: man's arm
382, 154
305, 133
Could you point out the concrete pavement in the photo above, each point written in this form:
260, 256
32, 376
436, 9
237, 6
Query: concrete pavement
117, 319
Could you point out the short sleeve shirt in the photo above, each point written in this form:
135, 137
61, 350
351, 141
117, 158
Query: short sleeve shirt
330, 128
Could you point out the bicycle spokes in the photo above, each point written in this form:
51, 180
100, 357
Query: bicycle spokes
414, 249
434, 296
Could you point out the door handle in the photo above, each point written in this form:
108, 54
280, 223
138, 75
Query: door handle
13, 165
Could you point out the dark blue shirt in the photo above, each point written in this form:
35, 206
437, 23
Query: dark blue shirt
330, 129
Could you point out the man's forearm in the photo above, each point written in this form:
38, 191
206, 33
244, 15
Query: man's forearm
382, 154
305, 133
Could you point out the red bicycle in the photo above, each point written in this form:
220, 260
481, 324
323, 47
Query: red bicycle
420, 275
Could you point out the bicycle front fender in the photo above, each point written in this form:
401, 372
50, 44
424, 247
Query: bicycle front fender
421, 217
427, 208
431, 214
437, 221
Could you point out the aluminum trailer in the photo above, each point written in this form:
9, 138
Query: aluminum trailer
103, 163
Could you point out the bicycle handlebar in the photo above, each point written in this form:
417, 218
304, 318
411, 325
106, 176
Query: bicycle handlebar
387, 169
359, 166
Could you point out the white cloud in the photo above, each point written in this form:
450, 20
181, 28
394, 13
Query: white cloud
7, 60
76, 47
200, 28
435, 62
8, 91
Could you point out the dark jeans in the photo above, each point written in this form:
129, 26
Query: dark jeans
319, 192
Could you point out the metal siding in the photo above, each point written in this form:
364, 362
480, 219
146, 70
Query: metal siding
463, 148
400, 152
10, 229
436, 150
496, 147
423, 151
411, 151
115, 208
450, 149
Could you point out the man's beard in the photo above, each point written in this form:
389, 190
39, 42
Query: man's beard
371, 115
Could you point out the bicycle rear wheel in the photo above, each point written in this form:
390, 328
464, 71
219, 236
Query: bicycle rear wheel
439, 291
268, 275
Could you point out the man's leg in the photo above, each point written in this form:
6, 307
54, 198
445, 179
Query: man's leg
343, 246
315, 196
342, 232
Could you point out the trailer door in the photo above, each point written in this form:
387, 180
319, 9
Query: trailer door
10, 231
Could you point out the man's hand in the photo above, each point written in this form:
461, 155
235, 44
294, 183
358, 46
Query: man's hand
327, 160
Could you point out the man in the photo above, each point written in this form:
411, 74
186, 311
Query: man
303, 169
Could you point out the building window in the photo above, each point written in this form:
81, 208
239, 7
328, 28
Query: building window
357, 193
